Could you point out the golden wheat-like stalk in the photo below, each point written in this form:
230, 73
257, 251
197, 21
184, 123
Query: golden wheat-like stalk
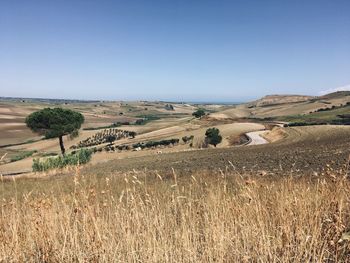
202, 217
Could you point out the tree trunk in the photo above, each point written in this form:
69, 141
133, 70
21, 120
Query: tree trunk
61, 145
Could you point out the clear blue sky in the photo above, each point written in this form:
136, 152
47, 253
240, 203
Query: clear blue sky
173, 50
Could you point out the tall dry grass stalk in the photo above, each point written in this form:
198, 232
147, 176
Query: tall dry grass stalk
197, 218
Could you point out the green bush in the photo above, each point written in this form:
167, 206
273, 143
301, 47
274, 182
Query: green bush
199, 113
80, 157
212, 136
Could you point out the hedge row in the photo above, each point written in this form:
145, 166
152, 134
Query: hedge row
332, 122
114, 148
151, 144
295, 124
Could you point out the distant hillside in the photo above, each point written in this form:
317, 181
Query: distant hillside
280, 99
335, 95
271, 100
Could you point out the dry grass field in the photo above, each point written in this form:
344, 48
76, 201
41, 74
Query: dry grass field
199, 217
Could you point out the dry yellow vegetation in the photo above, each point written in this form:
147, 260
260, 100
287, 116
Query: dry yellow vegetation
136, 217
274, 135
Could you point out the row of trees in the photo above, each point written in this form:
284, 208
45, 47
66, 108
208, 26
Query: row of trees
151, 144
105, 136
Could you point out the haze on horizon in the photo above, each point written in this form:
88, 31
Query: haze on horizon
173, 50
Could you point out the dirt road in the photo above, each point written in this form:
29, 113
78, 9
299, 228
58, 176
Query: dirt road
255, 138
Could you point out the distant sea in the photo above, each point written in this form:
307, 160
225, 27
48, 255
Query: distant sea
208, 102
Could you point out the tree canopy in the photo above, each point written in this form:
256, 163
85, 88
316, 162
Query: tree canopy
55, 122
198, 113
212, 136
111, 138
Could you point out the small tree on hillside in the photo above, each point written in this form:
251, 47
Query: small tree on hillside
111, 138
55, 122
199, 113
132, 134
212, 136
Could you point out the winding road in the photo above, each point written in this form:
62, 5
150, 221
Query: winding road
255, 138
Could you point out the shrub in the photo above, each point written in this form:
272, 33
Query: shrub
213, 136
132, 134
121, 147
81, 157
198, 113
